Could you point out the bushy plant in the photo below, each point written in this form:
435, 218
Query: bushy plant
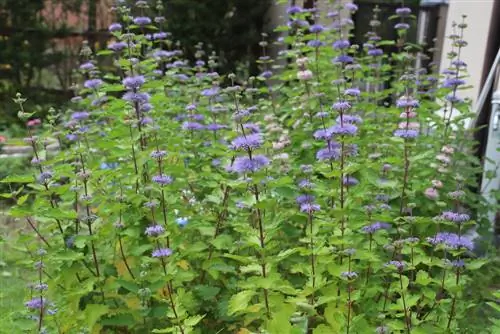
298, 201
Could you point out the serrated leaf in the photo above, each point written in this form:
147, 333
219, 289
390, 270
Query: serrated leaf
423, 278
93, 312
239, 302
193, 321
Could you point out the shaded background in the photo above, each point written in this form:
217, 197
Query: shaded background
40, 42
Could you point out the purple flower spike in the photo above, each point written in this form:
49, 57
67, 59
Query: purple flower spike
162, 252
117, 46
134, 82
402, 26
154, 231
242, 165
136, 97
455, 263
351, 7
375, 52
455, 217
406, 133
115, 27
314, 43
80, 115
309, 208
303, 199
343, 59
253, 128
407, 102
210, 92
294, 10
305, 184
328, 154
398, 264
345, 129
158, 154
341, 106
376, 227
162, 180
453, 82
215, 127
142, 20
323, 134
36, 303
403, 11
350, 275
248, 142
88, 66
350, 181
93, 83
352, 92
341, 44
266, 74
316, 28
451, 240
459, 63
352, 119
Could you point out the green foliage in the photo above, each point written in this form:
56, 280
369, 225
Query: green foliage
154, 220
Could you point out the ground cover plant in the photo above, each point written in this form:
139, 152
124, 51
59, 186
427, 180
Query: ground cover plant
323, 196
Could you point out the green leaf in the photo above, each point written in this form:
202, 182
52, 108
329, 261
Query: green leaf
207, 292
122, 319
56, 213
18, 179
22, 199
238, 258
93, 312
280, 322
423, 278
223, 241
130, 286
475, 264
386, 42
193, 321
80, 241
239, 302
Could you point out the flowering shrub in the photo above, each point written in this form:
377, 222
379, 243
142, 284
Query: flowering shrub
186, 201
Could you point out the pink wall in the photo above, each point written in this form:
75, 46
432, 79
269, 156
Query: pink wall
56, 16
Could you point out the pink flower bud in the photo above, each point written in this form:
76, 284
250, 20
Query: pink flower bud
304, 75
268, 118
443, 158
443, 169
409, 114
302, 61
409, 125
278, 145
33, 122
431, 193
447, 149
437, 184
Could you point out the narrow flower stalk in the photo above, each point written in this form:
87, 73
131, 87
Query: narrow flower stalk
250, 164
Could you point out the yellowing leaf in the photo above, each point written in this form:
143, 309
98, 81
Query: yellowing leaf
133, 303
239, 301
183, 264
254, 308
243, 331
122, 268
